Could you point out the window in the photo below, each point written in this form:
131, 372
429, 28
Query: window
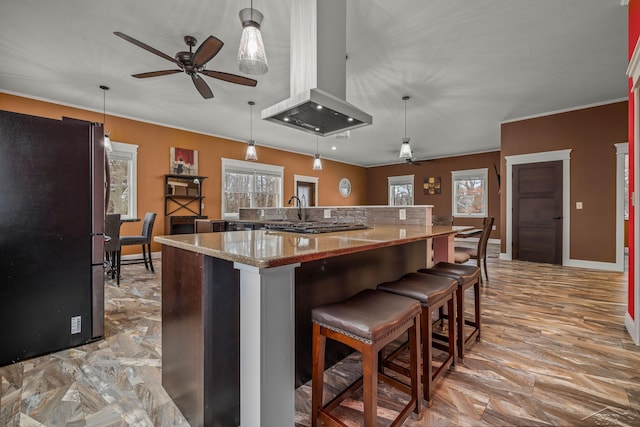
249, 185
470, 192
401, 190
123, 166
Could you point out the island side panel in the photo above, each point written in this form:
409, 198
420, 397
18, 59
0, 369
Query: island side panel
335, 279
200, 337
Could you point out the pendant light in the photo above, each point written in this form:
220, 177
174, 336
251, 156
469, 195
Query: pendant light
252, 58
317, 163
405, 148
107, 140
251, 153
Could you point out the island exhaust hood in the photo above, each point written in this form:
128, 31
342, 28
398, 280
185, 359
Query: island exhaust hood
318, 72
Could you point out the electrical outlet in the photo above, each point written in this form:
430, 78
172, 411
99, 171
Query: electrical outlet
403, 214
327, 213
261, 213
76, 325
493, 227
578, 205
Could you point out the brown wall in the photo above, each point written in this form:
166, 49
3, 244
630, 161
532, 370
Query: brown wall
591, 134
153, 160
377, 184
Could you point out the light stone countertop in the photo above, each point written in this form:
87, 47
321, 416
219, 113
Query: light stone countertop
271, 248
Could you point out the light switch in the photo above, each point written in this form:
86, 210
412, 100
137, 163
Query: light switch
578, 205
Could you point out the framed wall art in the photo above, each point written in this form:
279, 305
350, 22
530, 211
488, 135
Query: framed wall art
183, 161
432, 185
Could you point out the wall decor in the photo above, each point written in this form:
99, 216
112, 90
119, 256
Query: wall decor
432, 185
183, 161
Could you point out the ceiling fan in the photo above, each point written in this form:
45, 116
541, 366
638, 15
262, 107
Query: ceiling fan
412, 161
192, 63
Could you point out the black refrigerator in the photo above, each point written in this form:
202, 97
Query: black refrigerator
51, 235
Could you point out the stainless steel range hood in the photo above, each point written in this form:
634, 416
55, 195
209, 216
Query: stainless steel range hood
318, 72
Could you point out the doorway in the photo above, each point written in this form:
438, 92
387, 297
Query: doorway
306, 188
547, 156
537, 212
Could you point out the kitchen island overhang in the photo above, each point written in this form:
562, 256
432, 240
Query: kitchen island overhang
237, 305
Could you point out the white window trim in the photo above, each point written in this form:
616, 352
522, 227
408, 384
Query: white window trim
399, 180
622, 149
482, 173
310, 179
249, 167
129, 152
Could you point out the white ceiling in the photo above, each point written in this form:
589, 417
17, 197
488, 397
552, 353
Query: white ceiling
467, 65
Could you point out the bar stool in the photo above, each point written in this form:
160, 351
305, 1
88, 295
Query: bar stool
366, 322
467, 276
433, 292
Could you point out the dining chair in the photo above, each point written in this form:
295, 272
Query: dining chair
143, 239
203, 226
479, 253
442, 220
112, 245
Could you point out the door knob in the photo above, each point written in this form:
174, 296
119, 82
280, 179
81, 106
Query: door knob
557, 217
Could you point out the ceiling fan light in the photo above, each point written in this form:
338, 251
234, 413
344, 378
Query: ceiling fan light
405, 149
317, 163
251, 153
252, 58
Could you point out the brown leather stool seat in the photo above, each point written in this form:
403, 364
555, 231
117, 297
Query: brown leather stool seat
433, 292
467, 276
367, 322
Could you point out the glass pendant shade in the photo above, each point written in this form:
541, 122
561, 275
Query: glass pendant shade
405, 149
251, 153
317, 163
107, 141
252, 58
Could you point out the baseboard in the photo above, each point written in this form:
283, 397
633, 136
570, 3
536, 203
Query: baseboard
505, 256
595, 265
632, 328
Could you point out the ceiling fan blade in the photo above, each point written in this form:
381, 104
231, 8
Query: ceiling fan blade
232, 78
207, 50
202, 86
155, 73
147, 47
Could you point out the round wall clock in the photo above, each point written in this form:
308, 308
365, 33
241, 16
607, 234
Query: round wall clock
345, 187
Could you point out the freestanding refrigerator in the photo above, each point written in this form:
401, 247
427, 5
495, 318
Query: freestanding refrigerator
51, 235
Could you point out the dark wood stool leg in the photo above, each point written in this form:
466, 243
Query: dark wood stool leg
414, 348
427, 354
476, 291
370, 386
460, 322
317, 375
451, 308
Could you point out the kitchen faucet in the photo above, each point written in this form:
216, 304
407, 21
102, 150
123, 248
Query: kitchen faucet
299, 205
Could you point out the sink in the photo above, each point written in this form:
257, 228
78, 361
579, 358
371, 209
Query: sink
312, 227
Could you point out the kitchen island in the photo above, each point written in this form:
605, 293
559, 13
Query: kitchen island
236, 328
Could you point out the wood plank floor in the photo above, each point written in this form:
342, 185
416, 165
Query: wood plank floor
554, 351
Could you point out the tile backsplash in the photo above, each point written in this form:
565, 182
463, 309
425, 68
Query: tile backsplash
414, 215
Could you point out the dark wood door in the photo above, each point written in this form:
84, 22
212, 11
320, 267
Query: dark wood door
537, 212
